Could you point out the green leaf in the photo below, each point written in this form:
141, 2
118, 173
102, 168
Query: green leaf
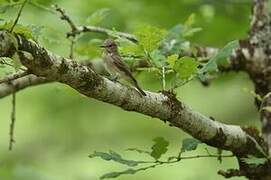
114, 157
190, 20
128, 171
189, 144
157, 58
186, 67
149, 37
117, 174
96, 17
220, 58
171, 60
189, 31
254, 161
159, 148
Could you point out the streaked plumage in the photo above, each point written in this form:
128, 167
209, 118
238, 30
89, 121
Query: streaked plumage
115, 66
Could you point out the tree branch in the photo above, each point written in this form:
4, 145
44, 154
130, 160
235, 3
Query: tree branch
76, 30
161, 105
14, 76
21, 83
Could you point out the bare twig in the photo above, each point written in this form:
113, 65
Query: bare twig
18, 16
72, 40
163, 78
12, 123
65, 17
73, 27
76, 30
14, 76
82, 29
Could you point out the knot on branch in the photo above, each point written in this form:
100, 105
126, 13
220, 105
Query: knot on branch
231, 173
255, 143
8, 44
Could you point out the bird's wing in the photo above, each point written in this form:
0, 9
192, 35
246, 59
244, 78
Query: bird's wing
122, 66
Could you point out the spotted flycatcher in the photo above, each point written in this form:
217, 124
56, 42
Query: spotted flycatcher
115, 66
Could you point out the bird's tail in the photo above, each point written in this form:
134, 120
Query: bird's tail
140, 90
134, 82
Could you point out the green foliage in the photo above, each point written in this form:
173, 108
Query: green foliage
98, 16
114, 157
189, 144
157, 58
220, 58
117, 174
186, 67
159, 148
254, 161
124, 19
149, 37
126, 172
171, 60
188, 29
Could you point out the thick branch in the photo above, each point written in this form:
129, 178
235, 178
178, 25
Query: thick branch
161, 105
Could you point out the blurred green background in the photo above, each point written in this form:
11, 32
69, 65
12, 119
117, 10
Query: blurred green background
57, 128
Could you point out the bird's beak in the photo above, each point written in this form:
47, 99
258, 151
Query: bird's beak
102, 46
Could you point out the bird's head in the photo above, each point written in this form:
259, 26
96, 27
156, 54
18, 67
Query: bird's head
110, 46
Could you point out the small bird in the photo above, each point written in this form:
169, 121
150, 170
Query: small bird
115, 66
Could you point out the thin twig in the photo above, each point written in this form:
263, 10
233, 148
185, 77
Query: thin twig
73, 27
72, 47
159, 163
204, 156
12, 123
179, 158
76, 30
82, 29
65, 17
18, 16
163, 78
14, 76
